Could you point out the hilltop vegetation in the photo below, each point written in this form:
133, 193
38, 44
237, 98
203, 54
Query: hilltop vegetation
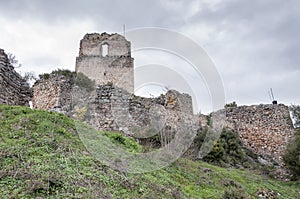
41, 155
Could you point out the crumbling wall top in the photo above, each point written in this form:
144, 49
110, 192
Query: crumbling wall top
92, 45
103, 36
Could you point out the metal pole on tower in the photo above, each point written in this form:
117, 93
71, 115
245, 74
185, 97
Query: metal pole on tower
124, 30
269, 93
272, 93
274, 101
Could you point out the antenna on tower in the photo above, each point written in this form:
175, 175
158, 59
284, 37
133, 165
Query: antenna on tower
124, 30
272, 96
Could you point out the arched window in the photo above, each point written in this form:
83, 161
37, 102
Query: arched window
104, 50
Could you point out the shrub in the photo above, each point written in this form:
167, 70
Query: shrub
44, 76
129, 143
79, 79
227, 149
292, 156
64, 72
209, 120
231, 105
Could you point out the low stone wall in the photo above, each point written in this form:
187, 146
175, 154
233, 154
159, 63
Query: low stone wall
14, 90
265, 129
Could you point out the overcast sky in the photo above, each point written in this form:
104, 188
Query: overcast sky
255, 44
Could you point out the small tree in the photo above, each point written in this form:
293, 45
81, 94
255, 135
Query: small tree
13, 60
29, 76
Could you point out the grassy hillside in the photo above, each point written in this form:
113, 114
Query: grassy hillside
41, 156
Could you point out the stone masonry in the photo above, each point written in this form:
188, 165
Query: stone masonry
14, 90
109, 107
106, 58
117, 110
53, 93
265, 129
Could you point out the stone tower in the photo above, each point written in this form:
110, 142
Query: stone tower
106, 58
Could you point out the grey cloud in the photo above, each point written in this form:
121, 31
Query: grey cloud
266, 45
270, 27
254, 42
115, 12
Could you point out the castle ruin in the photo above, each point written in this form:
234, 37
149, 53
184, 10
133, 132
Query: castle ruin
106, 58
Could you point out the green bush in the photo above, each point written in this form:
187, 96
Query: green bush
292, 156
63, 72
227, 149
129, 143
209, 120
230, 105
78, 79
44, 76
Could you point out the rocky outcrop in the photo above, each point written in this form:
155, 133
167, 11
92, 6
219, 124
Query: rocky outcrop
14, 90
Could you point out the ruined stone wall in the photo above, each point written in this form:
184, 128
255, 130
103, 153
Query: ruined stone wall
109, 107
91, 44
114, 67
14, 90
52, 93
117, 110
265, 129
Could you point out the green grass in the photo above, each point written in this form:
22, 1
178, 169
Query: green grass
41, 155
